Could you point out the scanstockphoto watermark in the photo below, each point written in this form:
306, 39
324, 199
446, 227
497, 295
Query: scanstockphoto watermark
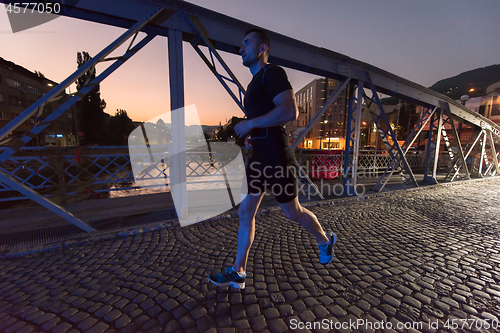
359, 324
269, 177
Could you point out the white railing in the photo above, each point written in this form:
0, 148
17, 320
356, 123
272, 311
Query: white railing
65, 172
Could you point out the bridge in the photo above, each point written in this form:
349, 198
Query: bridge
180, 21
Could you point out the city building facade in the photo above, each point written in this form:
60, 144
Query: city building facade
20, 88
329, 131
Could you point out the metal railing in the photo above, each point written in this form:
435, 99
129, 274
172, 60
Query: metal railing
63, 173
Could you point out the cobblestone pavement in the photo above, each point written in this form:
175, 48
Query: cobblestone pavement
407, 257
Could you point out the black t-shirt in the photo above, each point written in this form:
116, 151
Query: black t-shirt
270, 143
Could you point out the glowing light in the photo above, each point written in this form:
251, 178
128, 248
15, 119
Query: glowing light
471, 89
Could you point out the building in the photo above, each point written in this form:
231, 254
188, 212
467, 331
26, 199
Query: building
329, 131
20, 88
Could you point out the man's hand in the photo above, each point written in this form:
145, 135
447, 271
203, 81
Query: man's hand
243, 128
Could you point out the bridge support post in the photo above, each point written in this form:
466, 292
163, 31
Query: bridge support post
352, 139
177, 153
432, 148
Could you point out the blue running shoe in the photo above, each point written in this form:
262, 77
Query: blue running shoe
228, 278
326, 250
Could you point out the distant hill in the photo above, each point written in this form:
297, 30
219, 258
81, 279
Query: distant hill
477, 79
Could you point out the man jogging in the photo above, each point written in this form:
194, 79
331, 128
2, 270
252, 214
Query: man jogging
269, 104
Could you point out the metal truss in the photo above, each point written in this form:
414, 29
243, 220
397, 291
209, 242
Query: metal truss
454, 147
442, 118
494, 157
424, 119
391, 143
203, 37
181, 21
352, 139
432, 148
488, 158
157, 17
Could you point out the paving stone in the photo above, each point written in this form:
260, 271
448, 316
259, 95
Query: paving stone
87, 323
15, 327
381, 316
50, 324
62, 328
391, 301
278, 326
113, 315
42, 319
242, 325
271, 313
253, 310
98, 328
78, 317
258, 323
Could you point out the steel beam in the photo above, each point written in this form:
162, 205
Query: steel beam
351, 151
225, 34
177, 152
494, 153
457, 158
391, 168
432, 157
202, 36
391, 143
60, 88
56, 93
56, 209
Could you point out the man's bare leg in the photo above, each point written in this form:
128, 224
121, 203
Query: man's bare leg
246, 233
296, 212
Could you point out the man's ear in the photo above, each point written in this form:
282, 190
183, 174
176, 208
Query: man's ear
263, 48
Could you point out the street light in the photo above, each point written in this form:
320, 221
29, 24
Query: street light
464, 98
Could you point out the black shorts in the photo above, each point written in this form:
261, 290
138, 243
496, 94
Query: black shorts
279, 178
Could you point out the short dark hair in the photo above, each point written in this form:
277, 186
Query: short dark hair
262, 37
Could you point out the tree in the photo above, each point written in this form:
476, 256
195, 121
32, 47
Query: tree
223, 133
119, 128
39, 74
91, 106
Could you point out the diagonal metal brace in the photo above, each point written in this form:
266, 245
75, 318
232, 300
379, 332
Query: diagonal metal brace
394, 149
59, 89
424, 119
30, 194
459, 156
203, 37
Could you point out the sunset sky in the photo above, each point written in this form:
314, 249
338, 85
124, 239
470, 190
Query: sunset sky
423, 41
